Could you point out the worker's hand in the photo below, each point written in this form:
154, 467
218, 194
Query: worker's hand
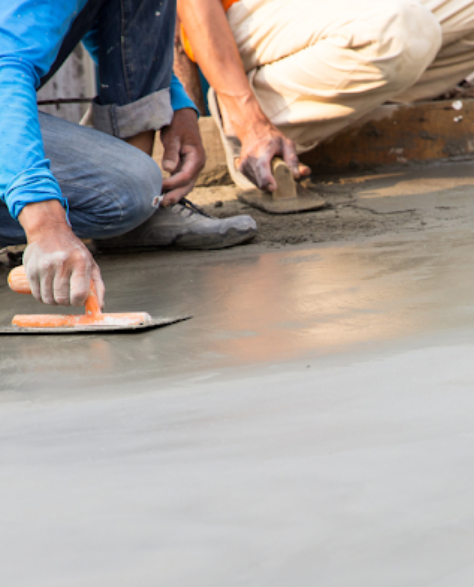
58, 266
260, 144
183, 156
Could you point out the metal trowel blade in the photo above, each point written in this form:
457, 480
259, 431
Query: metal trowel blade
305, 201
159, 322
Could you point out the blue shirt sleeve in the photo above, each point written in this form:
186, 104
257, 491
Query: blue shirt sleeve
91, 43
31, 32
179, 98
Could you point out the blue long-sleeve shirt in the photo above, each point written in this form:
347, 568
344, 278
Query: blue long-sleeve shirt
31, 34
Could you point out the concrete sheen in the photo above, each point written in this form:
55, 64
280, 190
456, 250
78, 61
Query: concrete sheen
312, 425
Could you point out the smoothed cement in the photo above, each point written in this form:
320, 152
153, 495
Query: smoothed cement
311, 425
252, 307
394, 201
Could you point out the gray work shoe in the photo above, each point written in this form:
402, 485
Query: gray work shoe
185, 226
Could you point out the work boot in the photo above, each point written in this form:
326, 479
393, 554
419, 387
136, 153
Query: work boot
184, 225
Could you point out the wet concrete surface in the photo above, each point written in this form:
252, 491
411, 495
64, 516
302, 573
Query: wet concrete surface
428, 189
391, 201
311, 425
251, 307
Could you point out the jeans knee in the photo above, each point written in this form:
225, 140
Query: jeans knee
409, 37
139, 190
133, 187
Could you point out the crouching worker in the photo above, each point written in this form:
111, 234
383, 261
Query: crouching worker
288, 74
60, 182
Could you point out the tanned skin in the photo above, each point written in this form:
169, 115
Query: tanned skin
217, 55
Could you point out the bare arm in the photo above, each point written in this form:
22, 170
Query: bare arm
216, 53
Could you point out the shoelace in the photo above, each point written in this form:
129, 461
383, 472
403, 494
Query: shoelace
190, 206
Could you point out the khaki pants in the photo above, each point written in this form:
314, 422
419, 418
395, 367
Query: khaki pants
316, 66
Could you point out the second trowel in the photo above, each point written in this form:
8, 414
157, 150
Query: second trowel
290, 197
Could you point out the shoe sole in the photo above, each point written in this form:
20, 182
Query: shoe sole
231, 238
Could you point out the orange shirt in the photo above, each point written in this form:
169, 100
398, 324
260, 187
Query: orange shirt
184, 39
228, 3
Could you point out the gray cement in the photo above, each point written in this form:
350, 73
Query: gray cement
392, 201
312, 425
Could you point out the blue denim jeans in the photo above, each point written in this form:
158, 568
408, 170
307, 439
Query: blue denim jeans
110, 186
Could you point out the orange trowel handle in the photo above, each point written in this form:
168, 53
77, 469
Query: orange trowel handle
18, 282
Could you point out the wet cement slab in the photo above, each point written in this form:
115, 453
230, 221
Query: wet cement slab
251, 307
434, 187
391, 201
311, 425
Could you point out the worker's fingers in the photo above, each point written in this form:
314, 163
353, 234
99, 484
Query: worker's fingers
41, 271
171, 153
80, 283
258, 170
257, 156
304, 170
32, 277
186, 172
261, 143
59, 267
176, 195
99, 284
61, 286
46, 279
183, 156
290, 157
256, 162
182, 181
264, 175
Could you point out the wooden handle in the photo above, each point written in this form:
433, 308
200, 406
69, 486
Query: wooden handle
286, 186
18, 282
277, 162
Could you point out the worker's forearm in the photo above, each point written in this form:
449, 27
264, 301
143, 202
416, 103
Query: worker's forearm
216, 53
143, 141
41, 217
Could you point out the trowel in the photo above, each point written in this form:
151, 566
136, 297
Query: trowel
92, 321
290, 197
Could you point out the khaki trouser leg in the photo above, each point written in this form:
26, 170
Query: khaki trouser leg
455, 60
362, 54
